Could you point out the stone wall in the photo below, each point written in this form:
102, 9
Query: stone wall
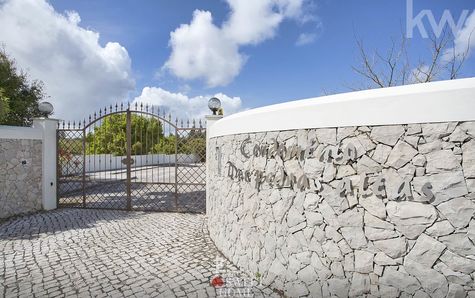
385, 210
20, 176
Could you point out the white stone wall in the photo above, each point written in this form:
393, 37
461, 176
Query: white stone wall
396, 220
20, 176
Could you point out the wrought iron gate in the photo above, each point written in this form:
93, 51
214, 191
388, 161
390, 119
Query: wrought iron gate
132, 158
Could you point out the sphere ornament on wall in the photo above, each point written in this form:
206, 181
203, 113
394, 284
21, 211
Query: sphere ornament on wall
214, 104
46, 108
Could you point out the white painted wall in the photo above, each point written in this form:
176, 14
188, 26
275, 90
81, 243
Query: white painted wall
106, 162
48, 130
443, 101
18, 132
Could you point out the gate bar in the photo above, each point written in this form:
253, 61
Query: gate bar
129, 157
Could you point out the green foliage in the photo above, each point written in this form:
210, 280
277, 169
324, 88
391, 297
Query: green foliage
110, 136
20, 98
147, 137
195, 145
166, 145
4, 106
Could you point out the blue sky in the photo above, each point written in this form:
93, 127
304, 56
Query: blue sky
276, 68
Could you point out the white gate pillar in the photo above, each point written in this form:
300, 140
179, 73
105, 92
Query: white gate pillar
48, 183
210, 120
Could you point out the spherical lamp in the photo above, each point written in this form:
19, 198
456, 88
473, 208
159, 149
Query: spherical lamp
214, 104
46, 108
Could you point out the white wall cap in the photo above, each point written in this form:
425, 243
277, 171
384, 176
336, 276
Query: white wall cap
442, 101
19, 132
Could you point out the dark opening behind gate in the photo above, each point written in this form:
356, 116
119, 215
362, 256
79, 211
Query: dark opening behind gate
132, 158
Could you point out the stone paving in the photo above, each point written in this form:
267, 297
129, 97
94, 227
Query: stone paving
103, 253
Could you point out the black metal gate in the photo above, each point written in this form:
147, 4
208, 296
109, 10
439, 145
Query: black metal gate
132, 158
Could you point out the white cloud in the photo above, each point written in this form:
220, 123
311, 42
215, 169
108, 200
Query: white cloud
202, 50
464, 39
185, 107
306, 38
79, 73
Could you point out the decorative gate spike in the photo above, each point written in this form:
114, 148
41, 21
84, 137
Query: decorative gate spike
146, 108
121, 106
141, 107
116, 107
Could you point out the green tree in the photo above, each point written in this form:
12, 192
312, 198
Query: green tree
20, 98
166, 145
110, 136
4, 106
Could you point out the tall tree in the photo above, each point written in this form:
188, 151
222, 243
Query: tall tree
20, 96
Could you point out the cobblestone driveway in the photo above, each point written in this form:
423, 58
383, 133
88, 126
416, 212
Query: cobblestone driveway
77, 252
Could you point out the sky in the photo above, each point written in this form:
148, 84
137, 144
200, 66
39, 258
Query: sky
179, 53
